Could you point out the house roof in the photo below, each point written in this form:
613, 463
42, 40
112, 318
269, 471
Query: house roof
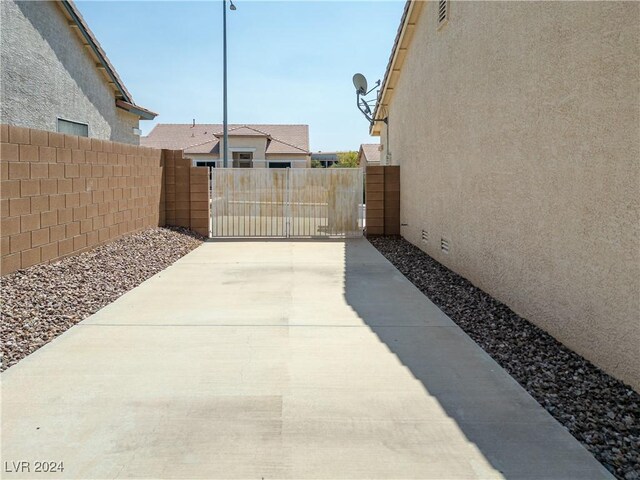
124, 99
243, 131
410, 15
205, 138
370, 152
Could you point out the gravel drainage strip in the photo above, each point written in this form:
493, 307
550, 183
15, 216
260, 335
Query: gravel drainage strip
601, 412
41, 302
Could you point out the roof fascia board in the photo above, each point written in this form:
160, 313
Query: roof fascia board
71, 11
136, 110
410, 16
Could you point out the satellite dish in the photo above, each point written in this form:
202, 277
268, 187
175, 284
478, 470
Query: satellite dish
360, 82
366, 108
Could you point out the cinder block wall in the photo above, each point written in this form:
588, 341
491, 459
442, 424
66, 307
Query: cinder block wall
382, 194
62, 194
186, 193
169, 184
199, 200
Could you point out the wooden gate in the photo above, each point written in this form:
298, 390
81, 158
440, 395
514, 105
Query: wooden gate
286, 203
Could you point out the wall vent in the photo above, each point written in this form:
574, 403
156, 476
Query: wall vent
443, 12
444, 245
425, 236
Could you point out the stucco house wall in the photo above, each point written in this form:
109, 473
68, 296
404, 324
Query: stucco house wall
257, 146
261, 159
516, 126
242, 143
47, 73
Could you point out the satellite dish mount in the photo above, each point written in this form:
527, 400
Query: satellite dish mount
360, 82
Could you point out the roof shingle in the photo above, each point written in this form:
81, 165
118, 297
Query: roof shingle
371, 152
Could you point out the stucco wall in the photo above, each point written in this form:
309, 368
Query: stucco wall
257, 143
47, 73
517, 130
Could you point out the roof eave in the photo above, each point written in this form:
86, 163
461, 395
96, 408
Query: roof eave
410, 15
122, 94
92, 43
136, 110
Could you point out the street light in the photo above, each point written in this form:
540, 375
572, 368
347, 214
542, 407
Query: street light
225, 158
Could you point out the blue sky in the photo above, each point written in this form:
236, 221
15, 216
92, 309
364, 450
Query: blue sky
289, 62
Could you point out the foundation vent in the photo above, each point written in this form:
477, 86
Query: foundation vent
425, 236
444, 245
443, 12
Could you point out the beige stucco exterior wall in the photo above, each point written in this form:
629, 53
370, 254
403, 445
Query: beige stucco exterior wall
249, 142
47, 73
518, 134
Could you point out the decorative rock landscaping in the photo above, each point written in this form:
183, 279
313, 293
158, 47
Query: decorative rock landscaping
41, 302
600, 411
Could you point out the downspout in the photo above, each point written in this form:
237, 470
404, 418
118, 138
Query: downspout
386, 122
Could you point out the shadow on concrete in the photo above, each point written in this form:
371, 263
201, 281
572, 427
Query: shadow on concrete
269, 239
511, 430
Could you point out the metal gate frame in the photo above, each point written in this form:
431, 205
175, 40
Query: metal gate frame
286, 203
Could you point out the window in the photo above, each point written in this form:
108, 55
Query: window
443, 12
206, 164
242, 159
279, 164
73, 128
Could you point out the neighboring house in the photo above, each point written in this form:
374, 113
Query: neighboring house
515, 125
250, 146
56, 77
369, 154
326, 159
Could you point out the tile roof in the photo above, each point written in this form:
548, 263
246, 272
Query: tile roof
278, 146
243, 131
371, 152
204, 138
211, 146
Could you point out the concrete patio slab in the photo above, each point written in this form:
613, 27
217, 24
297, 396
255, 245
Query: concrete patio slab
306, 359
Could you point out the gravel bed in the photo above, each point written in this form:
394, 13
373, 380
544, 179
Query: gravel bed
600, 411
41, 302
